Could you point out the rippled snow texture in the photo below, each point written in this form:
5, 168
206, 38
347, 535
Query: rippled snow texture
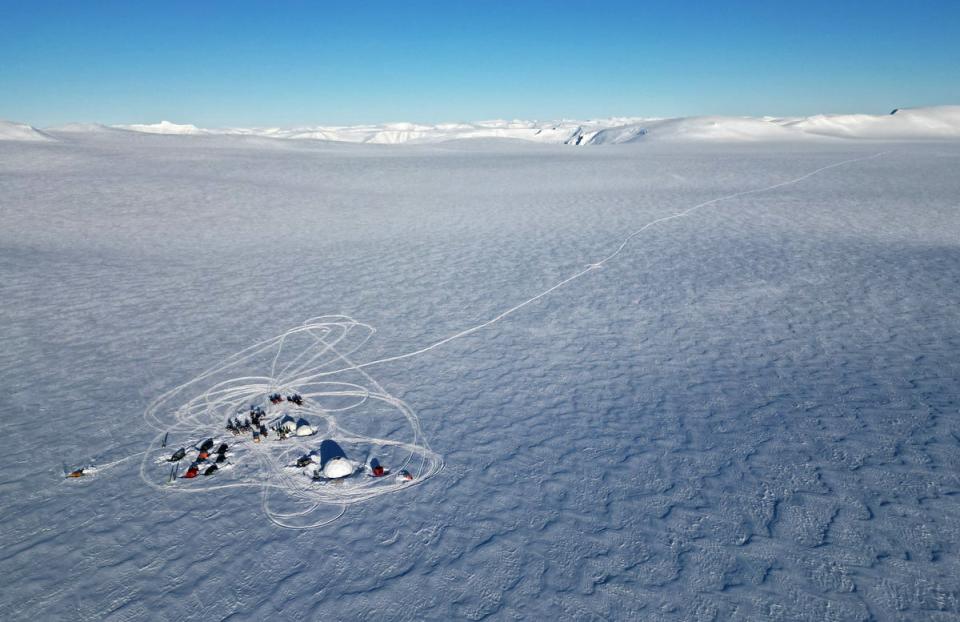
751, 412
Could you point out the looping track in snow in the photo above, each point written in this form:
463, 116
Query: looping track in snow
352, 409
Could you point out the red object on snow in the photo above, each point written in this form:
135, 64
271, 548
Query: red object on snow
191, 472
406, 475
203, 455
378, 471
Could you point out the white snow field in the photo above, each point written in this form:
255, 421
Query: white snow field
695, 379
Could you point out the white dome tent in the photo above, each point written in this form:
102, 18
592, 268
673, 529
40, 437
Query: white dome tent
334, 463
303, 428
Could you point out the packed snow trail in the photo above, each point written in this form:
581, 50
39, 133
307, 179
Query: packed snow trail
594, 266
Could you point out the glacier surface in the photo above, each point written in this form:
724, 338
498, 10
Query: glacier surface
746, 410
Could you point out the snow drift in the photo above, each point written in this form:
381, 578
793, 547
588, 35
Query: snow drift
911, 123
21, 131
727, 129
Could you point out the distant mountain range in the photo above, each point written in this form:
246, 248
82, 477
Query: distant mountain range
929, 123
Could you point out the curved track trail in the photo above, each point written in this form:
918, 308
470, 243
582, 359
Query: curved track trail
599, 264
355, 410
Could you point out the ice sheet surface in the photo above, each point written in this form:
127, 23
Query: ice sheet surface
751, 412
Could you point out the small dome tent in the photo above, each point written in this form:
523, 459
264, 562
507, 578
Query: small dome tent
333, 461
304, 428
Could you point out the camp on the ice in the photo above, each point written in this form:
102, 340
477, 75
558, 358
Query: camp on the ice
289, 426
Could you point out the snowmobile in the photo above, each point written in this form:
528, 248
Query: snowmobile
376, 469
210, 470
295, 399
177, 455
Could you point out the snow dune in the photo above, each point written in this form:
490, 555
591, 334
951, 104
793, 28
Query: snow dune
721, 129
21, 131
932, 122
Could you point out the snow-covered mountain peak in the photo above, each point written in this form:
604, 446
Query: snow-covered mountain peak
167, 127
937, 122
927, 123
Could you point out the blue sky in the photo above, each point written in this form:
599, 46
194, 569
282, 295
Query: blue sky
291, 63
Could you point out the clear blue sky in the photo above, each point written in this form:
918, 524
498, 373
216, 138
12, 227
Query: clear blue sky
290, 63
